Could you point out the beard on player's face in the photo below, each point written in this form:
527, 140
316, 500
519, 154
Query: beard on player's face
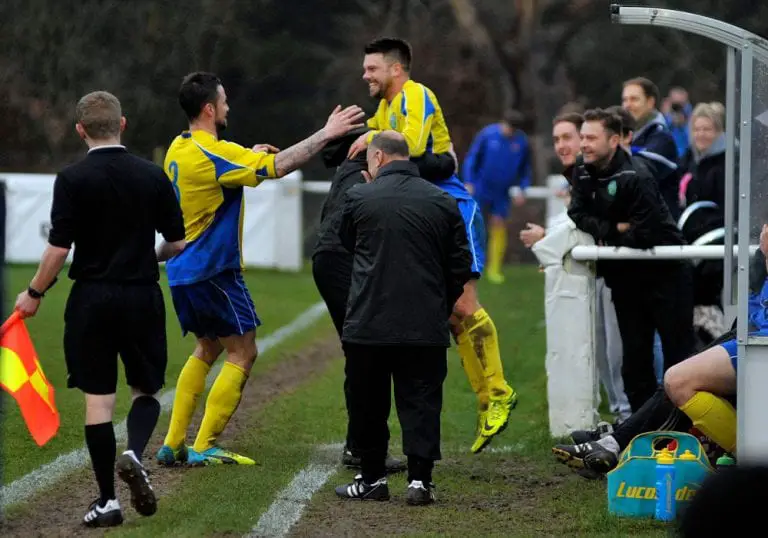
220, 118
380, 86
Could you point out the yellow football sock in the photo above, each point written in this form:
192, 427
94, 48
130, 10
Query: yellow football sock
221, 404
714, 417
189, 387
485, 345
473, 369
497, 246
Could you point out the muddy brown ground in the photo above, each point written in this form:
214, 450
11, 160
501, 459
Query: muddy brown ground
459, 511
58, 511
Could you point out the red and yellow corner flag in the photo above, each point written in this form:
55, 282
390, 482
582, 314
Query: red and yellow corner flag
22, 377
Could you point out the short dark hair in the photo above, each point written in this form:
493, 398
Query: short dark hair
628, 123
649, 88
569, 117
390, 144
197, 90
514, 119
396, 48
611, 122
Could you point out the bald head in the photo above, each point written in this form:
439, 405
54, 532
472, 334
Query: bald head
392, 144
385, 147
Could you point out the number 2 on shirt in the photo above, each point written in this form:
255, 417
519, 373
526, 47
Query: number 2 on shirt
173, 168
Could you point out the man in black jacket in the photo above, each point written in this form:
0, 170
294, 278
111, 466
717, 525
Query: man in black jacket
619, 204
652, 138
332, 263
411, 261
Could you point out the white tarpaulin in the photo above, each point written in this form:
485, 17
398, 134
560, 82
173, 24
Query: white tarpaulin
569, 310
272, 226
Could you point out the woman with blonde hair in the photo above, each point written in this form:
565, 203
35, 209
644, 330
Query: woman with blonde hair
703, 180
703, 165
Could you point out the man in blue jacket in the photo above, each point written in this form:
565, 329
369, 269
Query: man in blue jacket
652, 137
677, 111
498, 159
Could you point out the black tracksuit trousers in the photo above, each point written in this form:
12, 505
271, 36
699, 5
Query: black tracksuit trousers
418, 373
663, 302
332, 272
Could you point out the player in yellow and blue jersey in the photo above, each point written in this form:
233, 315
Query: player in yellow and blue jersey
207, 287
412, 109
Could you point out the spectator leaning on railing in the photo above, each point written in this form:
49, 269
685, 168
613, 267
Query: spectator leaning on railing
619, 204
608, 352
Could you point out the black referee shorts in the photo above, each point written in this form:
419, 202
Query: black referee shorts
102, 320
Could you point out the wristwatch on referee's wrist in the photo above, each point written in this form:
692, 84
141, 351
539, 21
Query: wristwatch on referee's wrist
40, 294
34, 293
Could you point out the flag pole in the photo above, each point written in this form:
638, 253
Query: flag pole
13, 318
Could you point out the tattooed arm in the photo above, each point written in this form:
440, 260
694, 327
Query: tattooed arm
340, 122
299, 154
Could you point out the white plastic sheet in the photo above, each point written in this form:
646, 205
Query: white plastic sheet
570, 319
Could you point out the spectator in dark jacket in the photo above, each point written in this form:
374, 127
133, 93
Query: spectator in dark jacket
615, 201
703, 165
411, 261
652, 137
702, 185
332, 263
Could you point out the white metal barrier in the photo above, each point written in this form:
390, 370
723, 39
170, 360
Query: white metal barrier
272, 228
688, 252
272, 232
555, 183
571, 367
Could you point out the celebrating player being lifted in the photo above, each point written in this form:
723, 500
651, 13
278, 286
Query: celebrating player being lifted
412, 109
208, 291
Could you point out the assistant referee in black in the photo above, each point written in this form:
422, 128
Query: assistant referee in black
109, 205
411, 261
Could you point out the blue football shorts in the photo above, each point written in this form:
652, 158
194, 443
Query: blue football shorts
217, 307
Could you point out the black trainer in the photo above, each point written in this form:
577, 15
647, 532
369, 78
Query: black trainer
378, 491
133, 473
420, 494
348, 459
108, 515
392, 464
580, 437
591, 456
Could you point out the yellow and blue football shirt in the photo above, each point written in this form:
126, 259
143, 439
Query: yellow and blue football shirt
208, 176
416, 114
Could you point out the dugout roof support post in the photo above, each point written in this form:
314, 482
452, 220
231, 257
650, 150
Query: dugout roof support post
745, 52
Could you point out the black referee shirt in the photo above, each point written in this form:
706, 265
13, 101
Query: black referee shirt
109, 206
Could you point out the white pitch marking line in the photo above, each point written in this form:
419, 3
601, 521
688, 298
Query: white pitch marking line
25, 487
289, 505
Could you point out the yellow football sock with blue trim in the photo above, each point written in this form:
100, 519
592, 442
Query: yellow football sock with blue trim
497, 247
189, 387
473, 369
484, 342
221, 405
715, 417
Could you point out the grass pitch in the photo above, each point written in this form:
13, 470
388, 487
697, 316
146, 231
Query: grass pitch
294, 403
